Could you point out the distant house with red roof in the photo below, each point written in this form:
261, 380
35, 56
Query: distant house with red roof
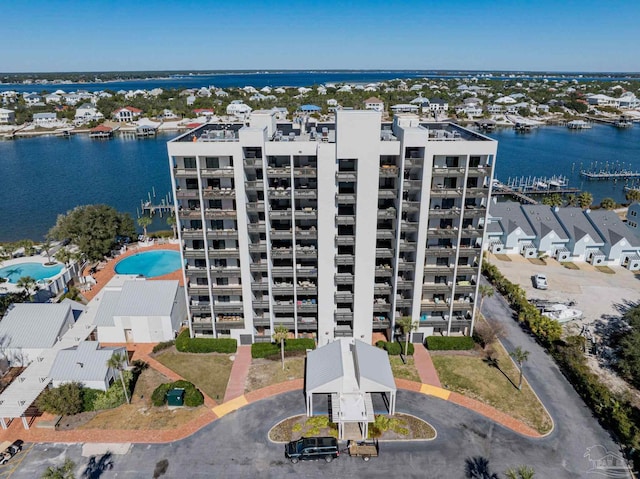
204, 111
127, 113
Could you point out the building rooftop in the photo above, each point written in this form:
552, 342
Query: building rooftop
511, 217
86, 362
577, 224
544, 221
33, 325
612, 228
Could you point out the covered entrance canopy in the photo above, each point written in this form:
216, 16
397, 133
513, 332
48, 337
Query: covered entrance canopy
349, 370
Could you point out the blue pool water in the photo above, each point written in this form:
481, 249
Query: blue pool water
36, 270
150, 263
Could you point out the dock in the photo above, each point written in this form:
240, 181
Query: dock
501, 189
149, 207
609, 171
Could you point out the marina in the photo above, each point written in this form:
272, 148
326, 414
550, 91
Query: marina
609, 172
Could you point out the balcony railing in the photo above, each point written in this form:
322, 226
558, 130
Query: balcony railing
345, 259
344, 278
219, 193
346, 198
184, 194
346, 176
345, 220
387, 214
217, 172
229, 233
388, 171
220, 214
185, 172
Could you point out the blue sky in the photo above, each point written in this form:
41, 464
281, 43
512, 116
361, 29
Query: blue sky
89, 35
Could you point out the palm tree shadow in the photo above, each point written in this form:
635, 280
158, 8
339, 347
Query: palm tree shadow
478, 468
495, 363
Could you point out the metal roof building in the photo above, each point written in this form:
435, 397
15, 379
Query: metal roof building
86, 364
34, 325
350, 371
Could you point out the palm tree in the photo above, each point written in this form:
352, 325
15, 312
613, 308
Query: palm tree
520, 356
60, 472
572, 200
633, 195
46, 246
478, 468
171, 221
28, 284
608, 203
117, 361
63, 255
484, 290
408, 325
585, 199
521, 472
143, 222
279, 335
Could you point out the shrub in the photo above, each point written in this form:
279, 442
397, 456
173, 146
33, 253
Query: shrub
186, 344
192, 396
395, 349
88, 398
163, 345
114, 396
450, 343
265, 350
65, 399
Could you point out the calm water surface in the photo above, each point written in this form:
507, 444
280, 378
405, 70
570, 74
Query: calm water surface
43, 177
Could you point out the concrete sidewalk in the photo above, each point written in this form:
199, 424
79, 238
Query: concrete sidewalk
424, 365
239, 373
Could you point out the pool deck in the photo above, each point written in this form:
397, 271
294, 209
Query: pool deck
36, 258
103, 276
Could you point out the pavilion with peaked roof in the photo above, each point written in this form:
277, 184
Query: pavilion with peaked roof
349, 371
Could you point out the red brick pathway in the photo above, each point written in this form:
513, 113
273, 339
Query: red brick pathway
239, 373
425, 367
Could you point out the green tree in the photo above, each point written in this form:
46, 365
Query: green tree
60, 472
520, 356
63, 255
93, 228
28, 284
408, 325
572, 200
46, 246
608, 203
279, 336
171, 221
485, 290
520, 472
143, 222
585, 199
553, 199
65, 399
118, 361
633, 195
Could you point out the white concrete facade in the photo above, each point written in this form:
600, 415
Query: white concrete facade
331, 229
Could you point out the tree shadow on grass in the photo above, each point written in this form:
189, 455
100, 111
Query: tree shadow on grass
495, 363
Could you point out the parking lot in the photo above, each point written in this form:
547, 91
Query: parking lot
599, 295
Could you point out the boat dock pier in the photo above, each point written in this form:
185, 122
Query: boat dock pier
524, 188
149, 208
609, 171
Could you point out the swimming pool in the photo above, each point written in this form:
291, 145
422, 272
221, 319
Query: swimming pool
37, 271
150, 263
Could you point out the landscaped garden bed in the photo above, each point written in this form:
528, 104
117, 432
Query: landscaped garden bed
397, 427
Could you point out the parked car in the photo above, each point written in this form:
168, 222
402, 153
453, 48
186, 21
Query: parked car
540, 281
312, 449
11, 450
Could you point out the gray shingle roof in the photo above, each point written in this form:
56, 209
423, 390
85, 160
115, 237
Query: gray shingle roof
84, 363
33, 325
511, 217
544, 221
147, 298
612, 228
577, 224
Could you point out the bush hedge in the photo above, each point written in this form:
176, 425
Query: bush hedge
192, 396
186, 344
450, 343
394, 348
265, 350
163, 345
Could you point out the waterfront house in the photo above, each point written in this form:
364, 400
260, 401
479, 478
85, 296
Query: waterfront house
603, 100
28, 329
628, 101
87, 112
551, 238
585, 243
206, 112
44, 119
168, 114
126, 114
31, 99
86, 364
510, 231
633, 217
621, 245
374, 103
101, 132
494, 109
7, 117
135, 310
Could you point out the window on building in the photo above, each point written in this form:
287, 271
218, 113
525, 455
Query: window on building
189, 162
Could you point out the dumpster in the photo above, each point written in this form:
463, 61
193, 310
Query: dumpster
175, 397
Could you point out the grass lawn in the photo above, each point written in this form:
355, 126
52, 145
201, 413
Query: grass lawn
265, 372
147, 382
209, 372
132, 416
570, 265
404, 371
472, 376
605, 269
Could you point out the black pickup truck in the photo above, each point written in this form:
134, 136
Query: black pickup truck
10, 451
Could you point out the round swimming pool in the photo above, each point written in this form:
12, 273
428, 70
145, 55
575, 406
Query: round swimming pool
150, 263
37, 271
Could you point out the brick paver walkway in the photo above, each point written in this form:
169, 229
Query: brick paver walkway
105, 274
425, 367
239, 373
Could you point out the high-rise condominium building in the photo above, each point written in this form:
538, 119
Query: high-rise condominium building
331, 229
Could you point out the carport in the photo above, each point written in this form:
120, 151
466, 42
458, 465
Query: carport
349, 371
